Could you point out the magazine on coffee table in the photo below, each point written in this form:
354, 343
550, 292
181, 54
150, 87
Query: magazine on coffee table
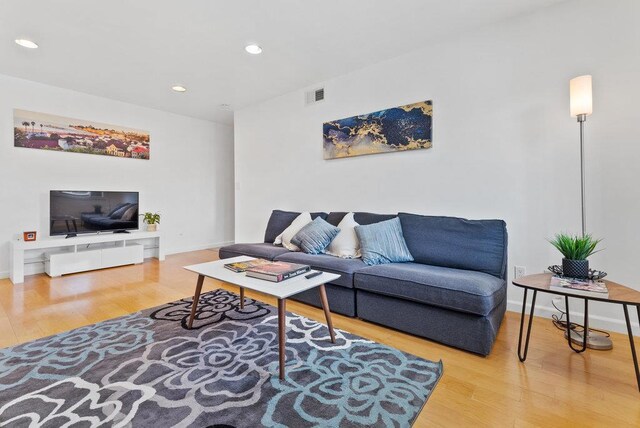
277, 271
243, 266
579, 287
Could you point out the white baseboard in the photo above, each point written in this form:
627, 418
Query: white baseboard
596, 321
199, 247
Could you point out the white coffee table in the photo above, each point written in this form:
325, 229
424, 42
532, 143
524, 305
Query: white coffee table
280, 290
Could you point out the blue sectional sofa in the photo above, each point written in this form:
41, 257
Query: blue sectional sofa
454, 292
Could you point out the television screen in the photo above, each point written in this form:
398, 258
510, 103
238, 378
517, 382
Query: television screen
73, 212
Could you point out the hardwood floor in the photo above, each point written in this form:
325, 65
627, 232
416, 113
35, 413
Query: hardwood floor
556, 387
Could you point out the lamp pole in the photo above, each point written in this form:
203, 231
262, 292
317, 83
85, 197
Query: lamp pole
581, 119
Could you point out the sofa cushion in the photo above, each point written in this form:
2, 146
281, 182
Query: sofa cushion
341, 300
343, 267
479, 245
461, 290
260, 250
280, 220
361, 218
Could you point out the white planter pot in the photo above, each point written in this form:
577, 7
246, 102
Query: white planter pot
152, 227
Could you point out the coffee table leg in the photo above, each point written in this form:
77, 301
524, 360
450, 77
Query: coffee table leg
196, 297
327, 312
282, 333
523, 355
241, 297
585, 335
632, 343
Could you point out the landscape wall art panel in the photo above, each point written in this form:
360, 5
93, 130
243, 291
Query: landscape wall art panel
395, 129
63, 134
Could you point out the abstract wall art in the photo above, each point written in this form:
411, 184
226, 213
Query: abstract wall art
56, 133
395, 129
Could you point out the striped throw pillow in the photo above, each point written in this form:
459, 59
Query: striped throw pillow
383, 242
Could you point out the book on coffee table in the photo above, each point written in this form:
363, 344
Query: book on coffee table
579, 287
243, 266
277, 271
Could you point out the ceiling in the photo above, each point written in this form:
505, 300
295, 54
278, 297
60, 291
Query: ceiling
134, 51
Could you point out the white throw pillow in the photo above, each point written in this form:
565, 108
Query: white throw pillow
285, 237
345, 244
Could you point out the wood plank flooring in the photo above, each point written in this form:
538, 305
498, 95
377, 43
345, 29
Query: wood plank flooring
555, 387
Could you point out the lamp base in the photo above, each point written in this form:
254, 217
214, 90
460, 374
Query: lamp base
595, 340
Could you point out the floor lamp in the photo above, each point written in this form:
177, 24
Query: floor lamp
581, 106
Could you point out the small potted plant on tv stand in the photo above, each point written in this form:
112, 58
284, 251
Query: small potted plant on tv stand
152, 220
575, 250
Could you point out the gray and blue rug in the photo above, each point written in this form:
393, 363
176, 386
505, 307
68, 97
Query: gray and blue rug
148, 370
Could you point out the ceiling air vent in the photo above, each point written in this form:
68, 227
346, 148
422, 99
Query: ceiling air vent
315, 96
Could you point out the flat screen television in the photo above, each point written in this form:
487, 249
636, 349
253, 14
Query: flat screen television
72, 212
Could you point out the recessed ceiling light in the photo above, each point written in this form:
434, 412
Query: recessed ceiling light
253, 49
27, 43
225, 106
179, 88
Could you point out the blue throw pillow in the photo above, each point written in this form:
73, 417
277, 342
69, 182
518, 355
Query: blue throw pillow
383, 242
314, 237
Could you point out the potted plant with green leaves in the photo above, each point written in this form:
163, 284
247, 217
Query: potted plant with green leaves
152, 220
575, 250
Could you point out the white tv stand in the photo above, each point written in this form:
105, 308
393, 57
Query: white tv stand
83, 253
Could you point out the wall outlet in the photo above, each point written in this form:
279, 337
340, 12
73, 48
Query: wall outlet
519, 271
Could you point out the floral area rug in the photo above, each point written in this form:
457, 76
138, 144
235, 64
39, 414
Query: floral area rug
148, 370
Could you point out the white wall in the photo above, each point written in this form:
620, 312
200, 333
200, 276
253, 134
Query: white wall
504, 145
189, 178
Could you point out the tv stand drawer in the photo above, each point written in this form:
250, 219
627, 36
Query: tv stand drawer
118, 256
59, 264
63, 263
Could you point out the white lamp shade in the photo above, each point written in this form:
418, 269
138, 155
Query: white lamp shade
581, 101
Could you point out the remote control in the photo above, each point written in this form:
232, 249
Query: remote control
313, 274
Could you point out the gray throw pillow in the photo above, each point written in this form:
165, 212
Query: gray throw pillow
314, 237
383, 242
